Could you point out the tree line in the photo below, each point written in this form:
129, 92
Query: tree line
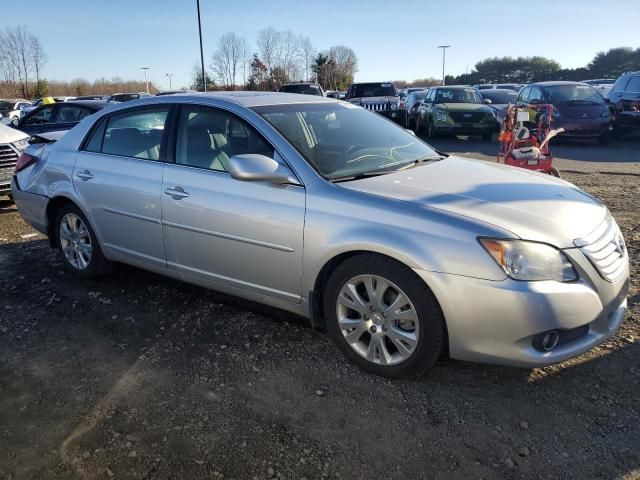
279, 57
609, 64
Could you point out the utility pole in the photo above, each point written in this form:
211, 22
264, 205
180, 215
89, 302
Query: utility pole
204, 75
170, 75
146, 79
444, 49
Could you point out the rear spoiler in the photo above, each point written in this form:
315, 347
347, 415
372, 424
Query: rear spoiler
48, 137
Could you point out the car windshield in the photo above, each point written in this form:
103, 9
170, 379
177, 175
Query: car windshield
360, 90
574, 94
500, 96
341, 140
303, 89
457, 95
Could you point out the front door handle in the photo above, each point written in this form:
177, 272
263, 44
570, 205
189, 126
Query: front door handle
84, 175
176, 192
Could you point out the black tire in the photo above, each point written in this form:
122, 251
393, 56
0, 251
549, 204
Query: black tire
432, 330
487, 137
418, 126
431, 131
98, 265
603, 139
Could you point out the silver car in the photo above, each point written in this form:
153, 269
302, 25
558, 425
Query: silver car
330, 211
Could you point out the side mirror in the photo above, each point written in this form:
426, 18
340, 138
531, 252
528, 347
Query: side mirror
253, 167
15, 122
410, 131
487, 101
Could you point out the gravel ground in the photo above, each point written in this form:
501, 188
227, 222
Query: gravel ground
139, 376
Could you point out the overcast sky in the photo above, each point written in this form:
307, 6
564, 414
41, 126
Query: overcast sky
392, 39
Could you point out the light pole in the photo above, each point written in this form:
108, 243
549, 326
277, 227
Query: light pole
204, 77
146, 79
170, 75
444, 49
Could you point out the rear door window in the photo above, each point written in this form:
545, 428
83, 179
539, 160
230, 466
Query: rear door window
41, 116
67, 114
136, 133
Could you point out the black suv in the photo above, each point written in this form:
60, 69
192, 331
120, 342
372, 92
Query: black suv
303, 88
624, 97
379, 97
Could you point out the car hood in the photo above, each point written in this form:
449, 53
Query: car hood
10, 135
464, 107
531, 205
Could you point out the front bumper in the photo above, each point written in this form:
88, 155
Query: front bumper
497, 322
628, 120
32, 207
591, 128
461, 129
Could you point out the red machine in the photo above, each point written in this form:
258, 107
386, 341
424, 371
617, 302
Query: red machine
524, 138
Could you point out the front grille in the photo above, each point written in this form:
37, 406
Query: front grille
376, 107
8, 156
462, 117
605, 249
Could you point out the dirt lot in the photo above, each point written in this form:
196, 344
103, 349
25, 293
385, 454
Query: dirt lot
138, 376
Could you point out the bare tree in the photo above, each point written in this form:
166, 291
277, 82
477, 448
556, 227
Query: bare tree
38, 59
269, 45
290, 52
228, 58
308, 53
16, 58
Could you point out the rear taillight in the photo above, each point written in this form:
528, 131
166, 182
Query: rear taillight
24, 160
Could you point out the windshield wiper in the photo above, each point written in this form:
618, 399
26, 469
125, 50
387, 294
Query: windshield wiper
359, 176
419, 161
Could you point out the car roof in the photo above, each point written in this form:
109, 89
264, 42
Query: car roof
488, 91
451, 86
554, 83
245, 98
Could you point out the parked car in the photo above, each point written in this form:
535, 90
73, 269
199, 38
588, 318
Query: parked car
57, 116
577, 107
304, 88
91, 97
10, 109
412, 103
12, 143
499, 100
379, 97
455, 110
173, 92
127, 97
329, 211
502, 86
342, 96
624, 98
602, 85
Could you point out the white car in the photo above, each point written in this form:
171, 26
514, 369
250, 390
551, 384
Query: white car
10, 109
12, 143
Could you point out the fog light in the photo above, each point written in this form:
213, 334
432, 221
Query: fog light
547, 341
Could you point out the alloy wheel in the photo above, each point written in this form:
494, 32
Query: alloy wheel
378, 320
75, 241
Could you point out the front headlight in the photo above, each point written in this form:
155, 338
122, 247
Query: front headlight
530, 261
441, 115
21, 144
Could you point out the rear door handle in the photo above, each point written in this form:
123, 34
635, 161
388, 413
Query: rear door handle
176, 192
84, 175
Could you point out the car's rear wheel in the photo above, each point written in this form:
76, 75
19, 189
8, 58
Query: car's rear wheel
431, 130
79, 247
383, 317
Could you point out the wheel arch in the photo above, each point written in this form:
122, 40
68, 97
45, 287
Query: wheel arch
316, 304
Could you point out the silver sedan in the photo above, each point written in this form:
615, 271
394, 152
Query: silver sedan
330, 211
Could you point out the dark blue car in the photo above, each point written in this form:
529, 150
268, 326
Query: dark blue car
57, 116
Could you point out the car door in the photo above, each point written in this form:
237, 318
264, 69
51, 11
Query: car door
37, 121
118, 177
245, 235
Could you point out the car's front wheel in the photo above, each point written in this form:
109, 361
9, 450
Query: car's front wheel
79, 247
383, 317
